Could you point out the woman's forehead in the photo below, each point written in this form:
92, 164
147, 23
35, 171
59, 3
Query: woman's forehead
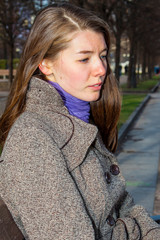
87, 40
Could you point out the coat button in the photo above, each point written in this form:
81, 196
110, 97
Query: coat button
108, 177
114, 169
110, 220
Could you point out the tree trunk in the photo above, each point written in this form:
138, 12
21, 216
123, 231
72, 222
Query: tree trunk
138, 63
117, 57
131, 82
4, 50
144, 65
138, 70
149, 67
10, 62
41, 3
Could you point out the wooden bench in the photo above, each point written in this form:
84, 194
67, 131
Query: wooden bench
4, 73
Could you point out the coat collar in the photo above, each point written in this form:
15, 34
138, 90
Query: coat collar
83, 136
72, 135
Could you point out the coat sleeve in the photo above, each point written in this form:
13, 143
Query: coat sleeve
39, 190
134, 222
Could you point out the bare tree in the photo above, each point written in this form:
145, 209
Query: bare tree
143, 33
14, 18
151, 35
117, 21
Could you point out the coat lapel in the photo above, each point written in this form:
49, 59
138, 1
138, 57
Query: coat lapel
72, 135
83, 136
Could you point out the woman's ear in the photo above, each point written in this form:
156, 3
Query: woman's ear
45, 67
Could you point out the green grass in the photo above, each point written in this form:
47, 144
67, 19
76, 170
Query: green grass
142, 85
129, 103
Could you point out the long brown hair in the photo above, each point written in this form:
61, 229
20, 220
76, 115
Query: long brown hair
47, 38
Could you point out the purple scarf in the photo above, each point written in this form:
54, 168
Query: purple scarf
75, 106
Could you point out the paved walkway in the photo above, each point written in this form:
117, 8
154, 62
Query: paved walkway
123, 79
3, 98
139, 156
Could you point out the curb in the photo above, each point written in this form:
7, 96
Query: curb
127, 125
156, 209
154, 89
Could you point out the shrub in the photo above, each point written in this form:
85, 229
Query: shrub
3, 63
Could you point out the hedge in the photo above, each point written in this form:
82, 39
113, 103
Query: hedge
3, 63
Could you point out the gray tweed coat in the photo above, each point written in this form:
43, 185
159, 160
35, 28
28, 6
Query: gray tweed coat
60, 182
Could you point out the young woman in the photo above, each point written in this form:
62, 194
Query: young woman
58, 179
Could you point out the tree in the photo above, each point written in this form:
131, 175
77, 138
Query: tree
117, 21
150, 32
13, 24
132, 31
143, 33
38, 4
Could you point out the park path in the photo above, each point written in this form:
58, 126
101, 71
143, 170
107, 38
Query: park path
123, 79
3, 98
140, 155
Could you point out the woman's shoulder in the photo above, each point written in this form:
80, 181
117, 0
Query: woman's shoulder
26, 122
33, 128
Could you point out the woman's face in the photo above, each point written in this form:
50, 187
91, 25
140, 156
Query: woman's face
81, 68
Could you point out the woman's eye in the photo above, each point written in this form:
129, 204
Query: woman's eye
104, 57
84, 60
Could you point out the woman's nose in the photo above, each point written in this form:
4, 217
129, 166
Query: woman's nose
100, 68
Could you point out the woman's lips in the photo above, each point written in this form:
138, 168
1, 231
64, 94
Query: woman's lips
96, 86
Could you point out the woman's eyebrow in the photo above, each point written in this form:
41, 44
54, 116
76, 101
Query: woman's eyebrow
89, 51
104, 50
84, 52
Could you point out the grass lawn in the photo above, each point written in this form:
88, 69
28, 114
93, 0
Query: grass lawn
129, 103
142, 85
